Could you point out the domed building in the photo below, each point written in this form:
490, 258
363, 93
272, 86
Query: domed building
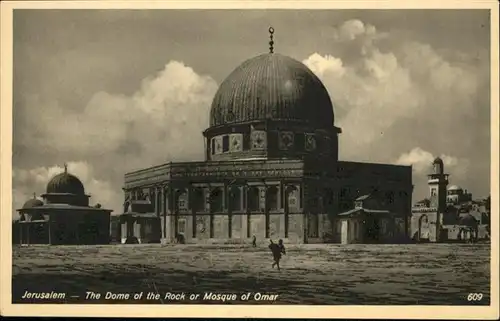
271, 170
64, 216
456, 195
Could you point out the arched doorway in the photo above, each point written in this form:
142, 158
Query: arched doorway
423, 228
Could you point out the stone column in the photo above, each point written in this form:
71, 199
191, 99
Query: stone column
227, 207
157, 200
303, 201
263, 205
175, 210
169, 212
193, 206
50, 230
163, 213
281, 207
244, 217
21, 228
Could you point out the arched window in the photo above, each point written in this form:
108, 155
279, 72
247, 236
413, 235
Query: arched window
292, 200
198, 200
235, 198
313, 225
216, 200
253, 198
272, 198
181, 200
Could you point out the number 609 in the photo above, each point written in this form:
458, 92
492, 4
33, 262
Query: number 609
474, 297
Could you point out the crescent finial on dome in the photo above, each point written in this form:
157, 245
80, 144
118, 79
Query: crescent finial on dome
271, 43
65, 168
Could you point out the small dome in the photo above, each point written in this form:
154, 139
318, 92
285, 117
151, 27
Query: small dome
34, 202
65, 183
272, 86
454, 188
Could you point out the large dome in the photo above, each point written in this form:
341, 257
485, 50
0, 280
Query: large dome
65, 183
272, 86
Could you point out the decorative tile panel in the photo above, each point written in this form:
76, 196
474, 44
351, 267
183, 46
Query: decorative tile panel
285, 140
310, 142
259, 140
217, 145
236, 142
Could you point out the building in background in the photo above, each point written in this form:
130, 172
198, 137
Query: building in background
370, 221
271, 170
63, 217
449, 214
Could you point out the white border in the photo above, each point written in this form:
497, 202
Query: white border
290, 311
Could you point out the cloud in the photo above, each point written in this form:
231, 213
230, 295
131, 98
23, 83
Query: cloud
421, 161
323, 65
397, 93
113, 134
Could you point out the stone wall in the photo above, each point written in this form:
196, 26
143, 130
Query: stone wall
215, 228
296, 228
238, 230
257, 225
276, 226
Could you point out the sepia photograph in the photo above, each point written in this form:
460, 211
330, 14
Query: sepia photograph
260, 157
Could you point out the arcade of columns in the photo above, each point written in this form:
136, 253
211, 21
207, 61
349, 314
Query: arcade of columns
227, 198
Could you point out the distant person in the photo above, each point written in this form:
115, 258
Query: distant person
254, 241
180, 238
276, 250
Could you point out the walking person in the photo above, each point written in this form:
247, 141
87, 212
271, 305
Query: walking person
276, 250
254, 241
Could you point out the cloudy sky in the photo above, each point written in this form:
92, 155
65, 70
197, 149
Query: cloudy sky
113, 91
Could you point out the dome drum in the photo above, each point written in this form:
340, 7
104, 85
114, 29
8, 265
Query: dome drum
70, 199
270, 139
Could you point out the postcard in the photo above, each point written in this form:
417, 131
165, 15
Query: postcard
250, 159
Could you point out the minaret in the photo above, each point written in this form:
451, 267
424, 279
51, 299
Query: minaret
438, 181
